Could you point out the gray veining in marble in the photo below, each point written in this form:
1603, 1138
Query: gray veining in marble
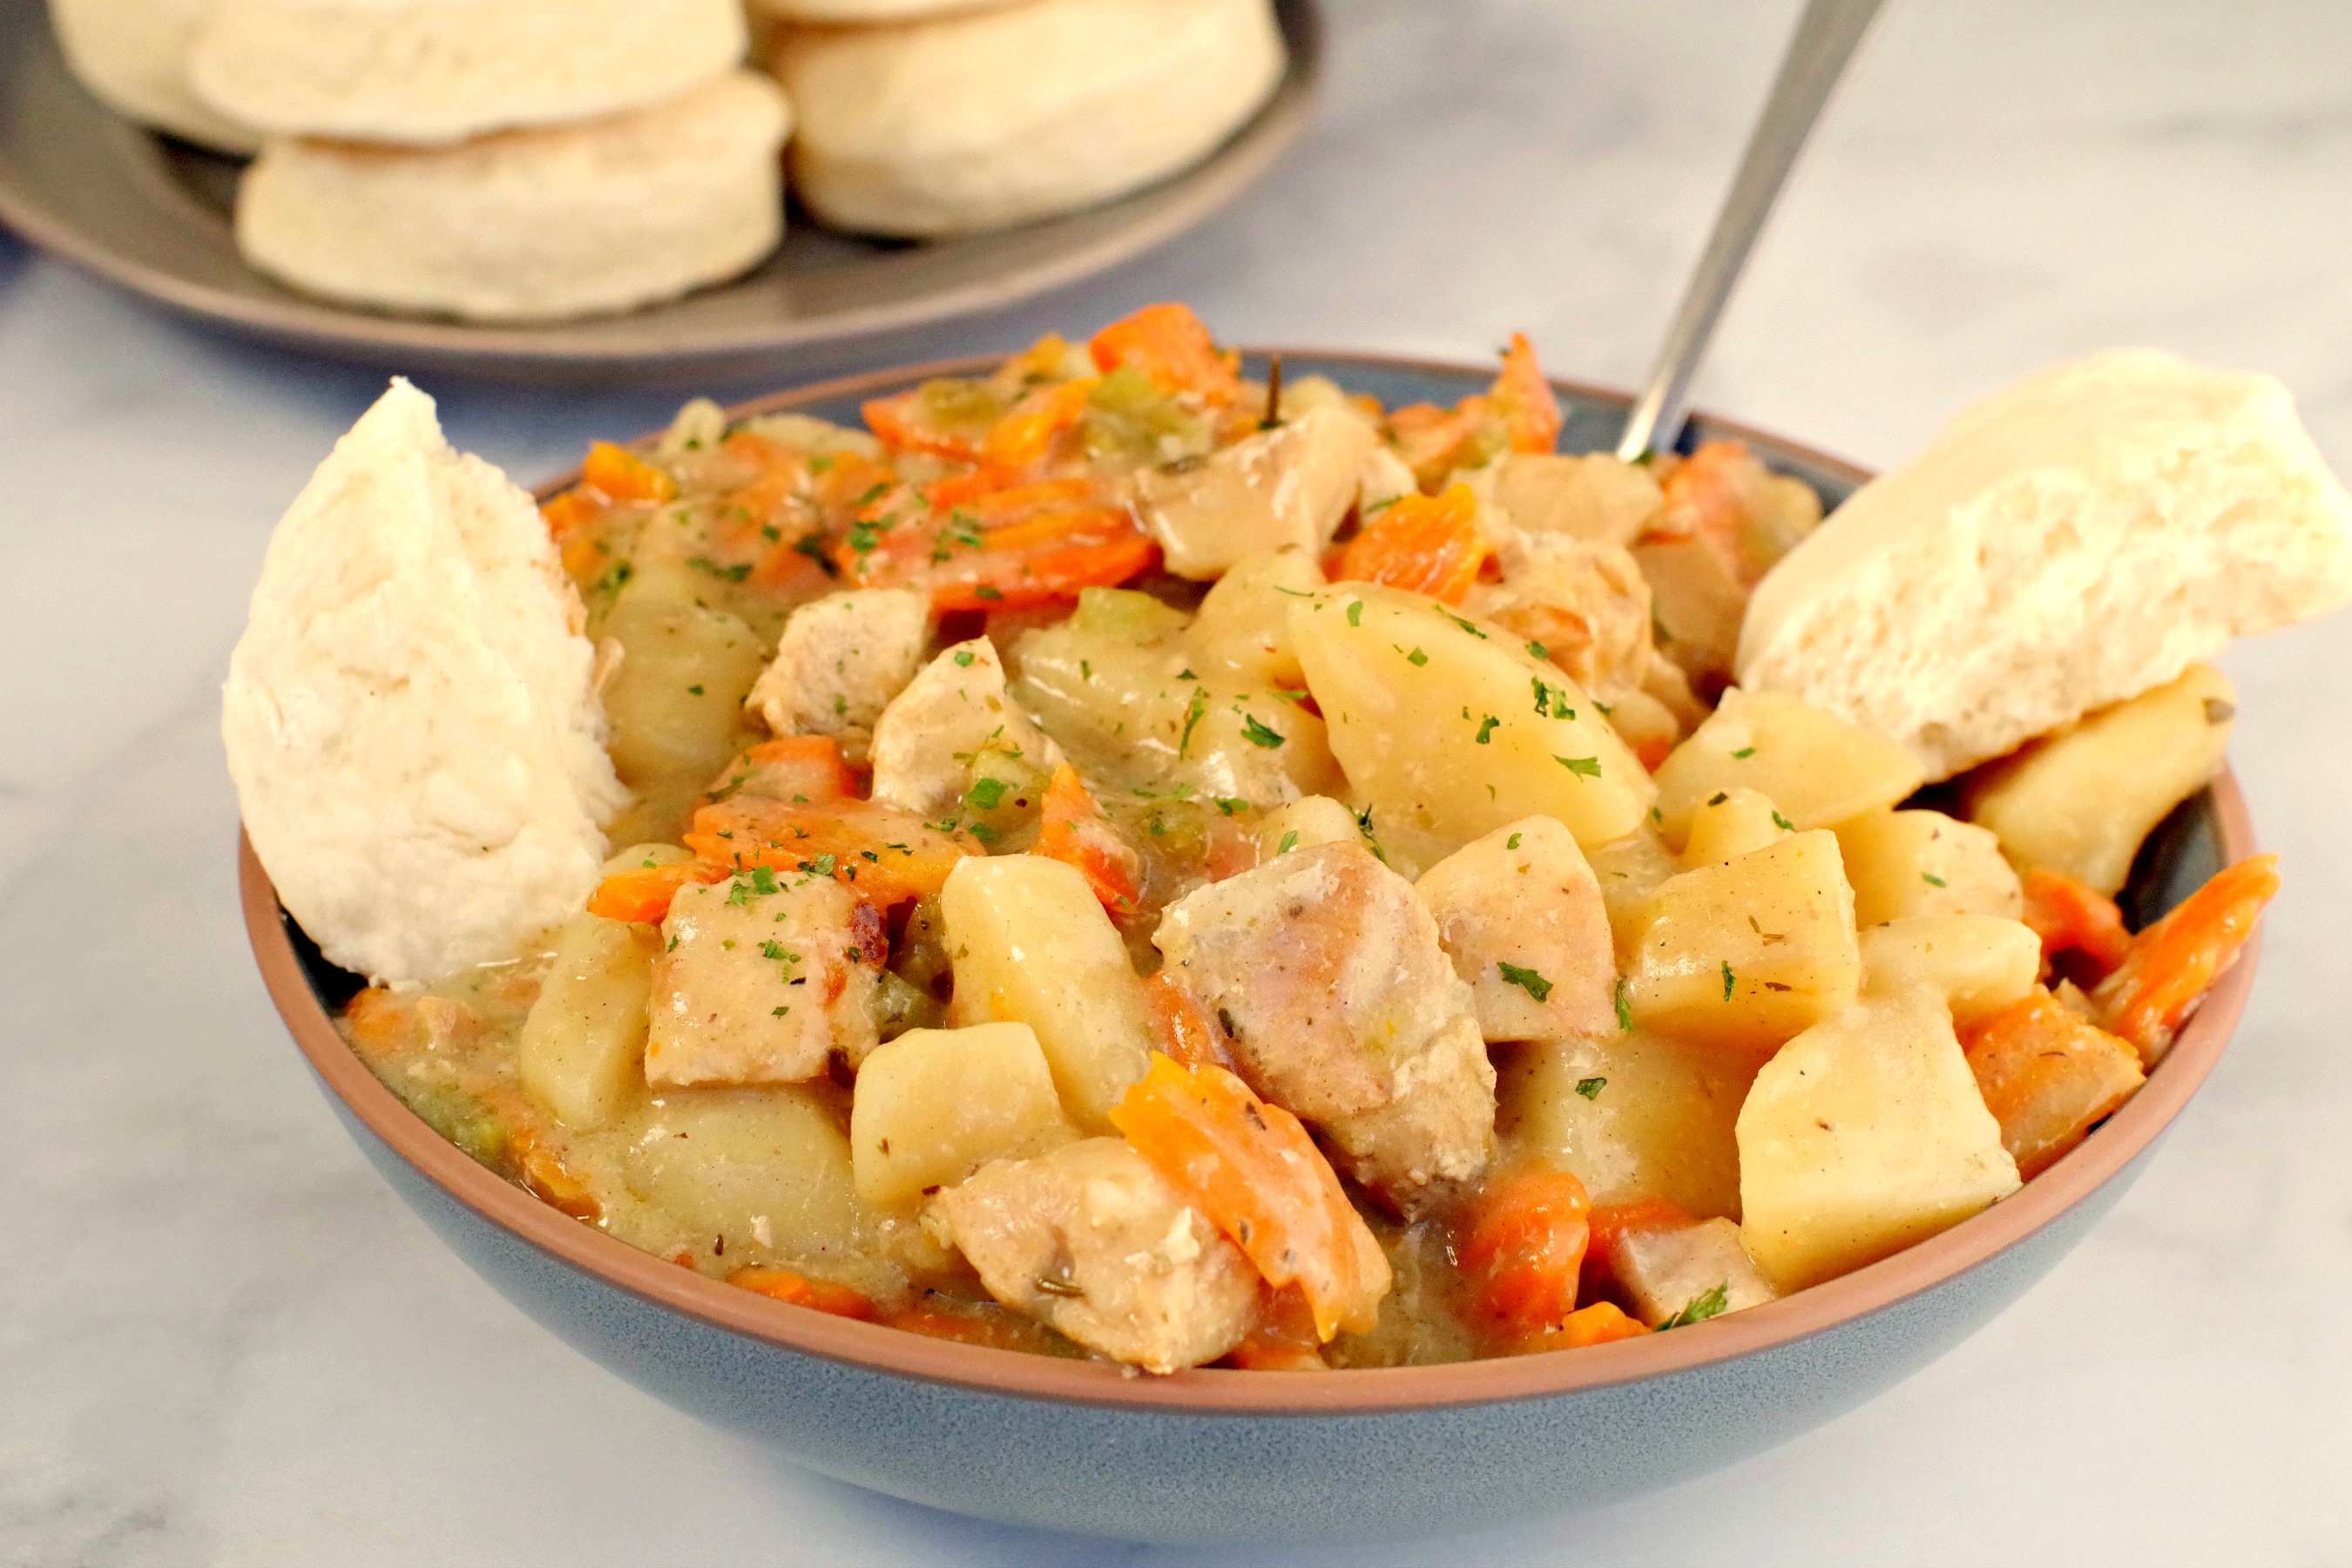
223, 1343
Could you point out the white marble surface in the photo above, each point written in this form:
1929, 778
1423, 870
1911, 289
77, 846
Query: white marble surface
222, 1341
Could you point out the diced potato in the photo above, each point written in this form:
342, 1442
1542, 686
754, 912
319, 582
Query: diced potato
1243, 629
2048, 1075
1629, 870
1304, 823
1594, 497
675, 704
1455, 729
1907, 863
1698, 603
1634, 1115
1734, 822
763, 986
1289, 486
767, 1166
1663, 1273
1866, 1134
935, 1105
2082, 801
1977, 964
1521, 916
1031, 945
1741, 955
1816, 767
582, 1046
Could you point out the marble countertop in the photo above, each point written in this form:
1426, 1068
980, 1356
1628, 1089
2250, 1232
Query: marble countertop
222, 1340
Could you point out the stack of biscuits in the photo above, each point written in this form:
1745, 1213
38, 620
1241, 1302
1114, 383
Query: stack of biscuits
517, 160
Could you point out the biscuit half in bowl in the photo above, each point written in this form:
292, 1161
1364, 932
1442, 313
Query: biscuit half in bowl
529, 226
132, 55
430, 71
981, 121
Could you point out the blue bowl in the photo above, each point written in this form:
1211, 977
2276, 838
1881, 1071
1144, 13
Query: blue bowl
1211, 1454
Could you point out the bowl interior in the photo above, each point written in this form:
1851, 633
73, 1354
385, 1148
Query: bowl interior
2207, 831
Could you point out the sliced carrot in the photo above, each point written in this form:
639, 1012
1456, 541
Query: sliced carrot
800, 770
820, 1295
1598, 1325
1076, 833
958, 489
1253, 1171
2048, 1075
379, 1021
619, 474
573, 509
901, 422
644, 892
1026, 435
2172, 964
886, 856
1282, 1337
1422, 544
1180, 1030
1523, 1247
1524, 399
974, 1324
2069, 914
1002, 580
1171, 345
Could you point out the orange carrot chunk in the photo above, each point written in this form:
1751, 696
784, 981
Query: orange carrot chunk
2172, 964
820, 1295
2048, 1075
1171, 345
1078, 834
1524, 399
619, 474
1282, 1338
1427, 544
644, 892
1597, 1325
1026, 435
1180, 1030
1522, 1249
1251, 1169
2069, 914
803, 770
884, 855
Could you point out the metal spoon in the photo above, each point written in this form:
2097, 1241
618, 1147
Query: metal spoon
1826, 37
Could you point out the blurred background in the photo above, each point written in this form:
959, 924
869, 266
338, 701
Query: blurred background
222, 1342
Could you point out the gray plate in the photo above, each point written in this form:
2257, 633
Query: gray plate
152, 214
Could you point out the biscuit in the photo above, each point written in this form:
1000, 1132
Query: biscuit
132, 55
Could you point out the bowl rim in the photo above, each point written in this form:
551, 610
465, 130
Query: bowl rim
1209, 1391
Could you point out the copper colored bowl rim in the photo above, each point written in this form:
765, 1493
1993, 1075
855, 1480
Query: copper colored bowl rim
1214, 1391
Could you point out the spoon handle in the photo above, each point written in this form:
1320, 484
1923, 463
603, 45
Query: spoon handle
1825, 39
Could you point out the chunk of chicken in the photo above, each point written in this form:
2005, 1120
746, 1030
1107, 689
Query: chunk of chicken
1593, 498
761, 979
1661, 1273
1586, 603
928, 737
1521, 913
1091, 1240
1290, 485
1324, 972
841, 660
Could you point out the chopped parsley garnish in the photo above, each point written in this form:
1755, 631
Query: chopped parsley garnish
986, 793
1487, 729
1230, 803
984, 592
1257, 734
1356, 612
1590, 1088
822, 866
694, 692
1728, 980
1932, 880
876, 493
1587, 767
1539, 649
731, 573
1526, 980
1467, 626
1784, 824
1086, 669
1718, 798
1192, 715
775, 950
1705, 1305
1625, 1008
1416, 658
964, 656
984, 833
813, 546
1745, 753
1512, 842
1289, 842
